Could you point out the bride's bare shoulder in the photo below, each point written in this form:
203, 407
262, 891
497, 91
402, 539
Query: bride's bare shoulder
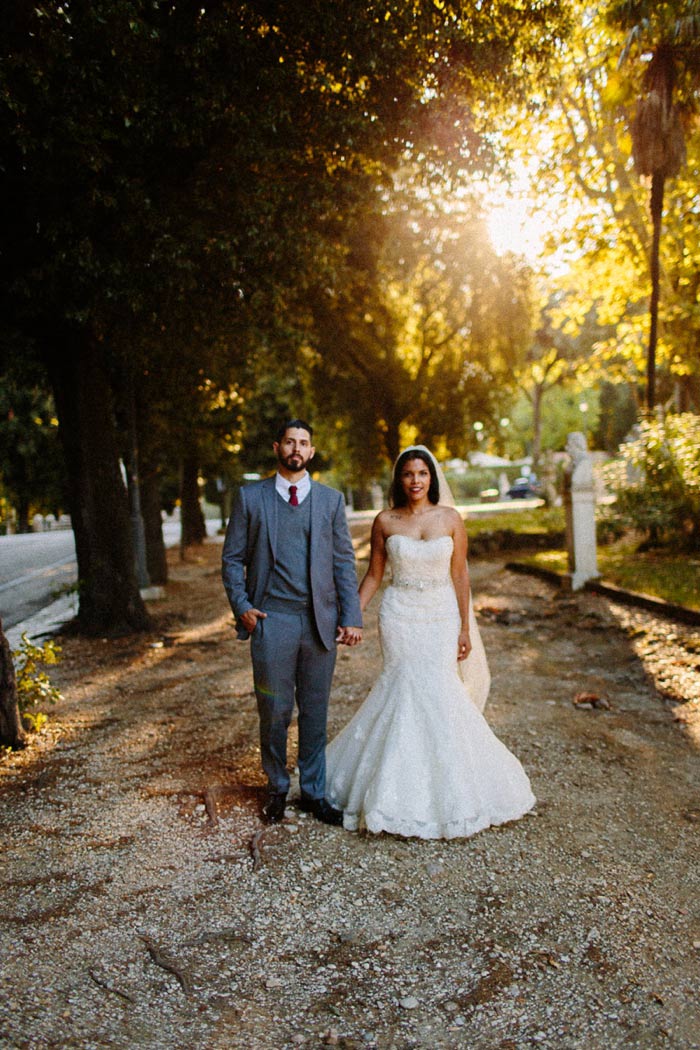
387, 522
382, 522
451, 516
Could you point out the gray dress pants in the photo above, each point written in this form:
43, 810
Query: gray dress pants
290, 664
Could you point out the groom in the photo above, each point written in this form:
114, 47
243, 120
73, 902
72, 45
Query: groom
289, 571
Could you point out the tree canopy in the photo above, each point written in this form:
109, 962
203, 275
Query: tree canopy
599, 248
197, 198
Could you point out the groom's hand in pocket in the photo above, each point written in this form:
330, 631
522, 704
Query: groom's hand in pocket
250, 619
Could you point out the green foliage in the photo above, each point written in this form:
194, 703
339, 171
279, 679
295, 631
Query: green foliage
656, 482
176, 177
423, 328
561, 413
650, 24
618, 413
541, 521
34, 686
473, 481
663, 574
31, 465
596, 208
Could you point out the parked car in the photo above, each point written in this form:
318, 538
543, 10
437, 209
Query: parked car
523, 488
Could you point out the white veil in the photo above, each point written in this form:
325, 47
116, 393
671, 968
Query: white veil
475, 669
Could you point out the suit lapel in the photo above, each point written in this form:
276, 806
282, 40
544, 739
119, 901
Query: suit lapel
270, 512
313, 517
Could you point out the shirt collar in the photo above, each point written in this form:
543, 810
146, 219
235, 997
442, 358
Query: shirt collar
303, 486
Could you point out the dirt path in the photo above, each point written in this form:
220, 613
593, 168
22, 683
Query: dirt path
142, 907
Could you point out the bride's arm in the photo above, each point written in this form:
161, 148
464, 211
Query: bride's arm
460, 579
377, 562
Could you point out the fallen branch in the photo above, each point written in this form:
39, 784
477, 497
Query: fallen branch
210, 806
256, 848
167, 964
228, 936
110, 988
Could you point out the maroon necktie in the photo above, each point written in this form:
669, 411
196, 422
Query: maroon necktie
293, 496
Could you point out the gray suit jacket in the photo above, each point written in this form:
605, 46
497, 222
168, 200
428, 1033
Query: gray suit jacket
249, 556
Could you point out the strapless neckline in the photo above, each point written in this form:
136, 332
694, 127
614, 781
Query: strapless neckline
417, 539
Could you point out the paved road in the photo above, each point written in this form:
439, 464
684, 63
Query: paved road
34, 569
38, 567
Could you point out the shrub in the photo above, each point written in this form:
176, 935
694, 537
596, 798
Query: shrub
34, 687
473, 481
656, 483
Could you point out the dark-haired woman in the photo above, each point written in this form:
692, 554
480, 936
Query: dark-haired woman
418, 758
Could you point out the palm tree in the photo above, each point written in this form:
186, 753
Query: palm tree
667, 37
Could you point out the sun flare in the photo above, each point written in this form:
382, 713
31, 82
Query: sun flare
514, 227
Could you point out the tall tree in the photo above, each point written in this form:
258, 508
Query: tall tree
557, 355
157, 156
667, 35
589, 204
593, 207
422, 330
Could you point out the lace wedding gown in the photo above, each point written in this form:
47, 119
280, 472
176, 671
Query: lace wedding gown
418, 758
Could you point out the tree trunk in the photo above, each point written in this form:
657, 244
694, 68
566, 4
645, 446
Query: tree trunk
392, 437
191, 516
11, 732
23, 515
109, 595
138, 531
150, 459
131, 460
657, 204
536, 427
156, 559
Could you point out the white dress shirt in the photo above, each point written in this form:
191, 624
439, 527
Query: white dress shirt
303, 487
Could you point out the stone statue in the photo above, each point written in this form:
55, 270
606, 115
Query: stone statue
579, 504
581, 469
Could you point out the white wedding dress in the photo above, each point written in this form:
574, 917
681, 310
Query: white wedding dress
418, 758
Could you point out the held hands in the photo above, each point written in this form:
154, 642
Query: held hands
464, 646
349, 636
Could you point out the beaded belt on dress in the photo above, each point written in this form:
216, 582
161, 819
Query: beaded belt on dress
419, 585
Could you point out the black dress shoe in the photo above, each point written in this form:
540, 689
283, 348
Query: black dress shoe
322, 810
273, 810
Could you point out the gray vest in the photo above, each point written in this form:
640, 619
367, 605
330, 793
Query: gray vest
289, 586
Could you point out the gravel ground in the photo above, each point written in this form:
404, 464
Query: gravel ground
144, 905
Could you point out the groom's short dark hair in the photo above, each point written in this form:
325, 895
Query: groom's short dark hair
293, 424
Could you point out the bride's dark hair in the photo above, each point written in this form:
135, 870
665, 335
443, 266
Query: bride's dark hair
397, 496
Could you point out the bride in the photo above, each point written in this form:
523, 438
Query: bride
418, 758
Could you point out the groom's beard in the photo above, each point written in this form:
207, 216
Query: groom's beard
294, 463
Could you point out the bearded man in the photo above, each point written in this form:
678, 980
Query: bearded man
288, 567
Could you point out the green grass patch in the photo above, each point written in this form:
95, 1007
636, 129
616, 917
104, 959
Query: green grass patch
663, 574
528, 522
